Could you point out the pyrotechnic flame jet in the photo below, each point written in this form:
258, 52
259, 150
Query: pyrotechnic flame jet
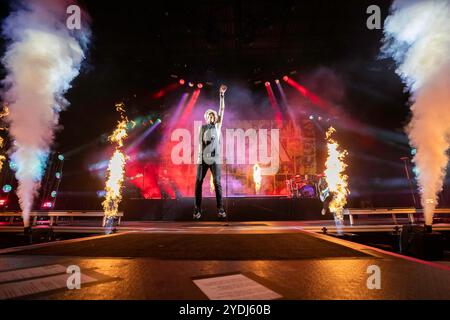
335, 177
2, 128
211, 184
116, 168
257, 177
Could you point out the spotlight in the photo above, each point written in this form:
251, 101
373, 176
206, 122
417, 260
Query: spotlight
319, 118
199, 85
311, 117
267, 84
101, 193
181, 82
47, 205
60, 157
7, 188
12, 165
58, 175
3, 202
277, 81
191, 84
285, 78
53, 194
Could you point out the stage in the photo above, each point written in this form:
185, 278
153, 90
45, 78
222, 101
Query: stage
161, 260
264, 208
313, 131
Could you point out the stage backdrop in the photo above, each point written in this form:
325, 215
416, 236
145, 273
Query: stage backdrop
280, 151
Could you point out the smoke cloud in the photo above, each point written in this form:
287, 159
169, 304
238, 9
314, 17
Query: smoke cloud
42, 57
417, 37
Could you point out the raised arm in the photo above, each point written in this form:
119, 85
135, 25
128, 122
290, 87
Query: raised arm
222, 90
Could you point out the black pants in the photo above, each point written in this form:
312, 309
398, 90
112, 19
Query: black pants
201, 173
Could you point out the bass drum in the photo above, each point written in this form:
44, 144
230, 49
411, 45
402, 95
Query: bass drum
307, 191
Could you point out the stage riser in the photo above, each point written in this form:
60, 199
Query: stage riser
238, 209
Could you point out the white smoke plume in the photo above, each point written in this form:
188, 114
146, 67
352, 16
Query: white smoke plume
417, 36
42, 57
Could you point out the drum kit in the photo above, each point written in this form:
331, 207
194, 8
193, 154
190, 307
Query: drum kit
303, 186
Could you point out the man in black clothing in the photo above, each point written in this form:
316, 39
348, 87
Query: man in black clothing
209, 156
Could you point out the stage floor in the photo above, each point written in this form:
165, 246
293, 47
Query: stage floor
94, 227
160, 260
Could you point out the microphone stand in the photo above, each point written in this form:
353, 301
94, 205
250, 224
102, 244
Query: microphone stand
411, 188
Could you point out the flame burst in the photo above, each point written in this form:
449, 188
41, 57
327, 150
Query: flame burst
3, 114
116, 166
334, 174
257, 177
211, 184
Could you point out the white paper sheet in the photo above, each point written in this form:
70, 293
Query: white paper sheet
235, 287
28, 273
39, 285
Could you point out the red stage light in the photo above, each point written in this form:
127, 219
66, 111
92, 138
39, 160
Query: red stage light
47, 204
199, 85
182, 82
285, 78
2, 202
189, 106
267, 84
274, 103
162, 92
308, 94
